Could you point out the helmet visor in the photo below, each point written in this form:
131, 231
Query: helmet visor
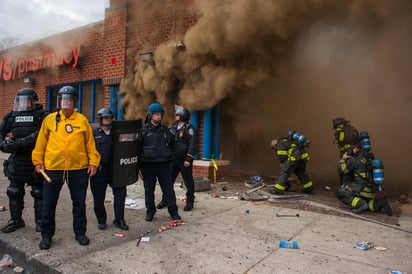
23, 103
66, 101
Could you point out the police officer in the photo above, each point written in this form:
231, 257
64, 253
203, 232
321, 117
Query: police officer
293, 157
360, 192
103, 177
155, 158
18, 133
66, 151
185, 149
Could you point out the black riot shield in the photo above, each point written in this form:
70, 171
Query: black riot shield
125, 151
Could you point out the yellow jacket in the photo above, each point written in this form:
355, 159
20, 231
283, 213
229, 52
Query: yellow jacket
70, 147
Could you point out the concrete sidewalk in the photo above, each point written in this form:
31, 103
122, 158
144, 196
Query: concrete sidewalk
219, 236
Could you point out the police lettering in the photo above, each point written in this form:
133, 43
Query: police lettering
22, 119
128, 161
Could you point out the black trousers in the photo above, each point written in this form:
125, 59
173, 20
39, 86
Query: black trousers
187, 175
162, 172
98, 186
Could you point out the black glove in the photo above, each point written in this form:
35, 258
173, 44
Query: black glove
12, 146
3, 146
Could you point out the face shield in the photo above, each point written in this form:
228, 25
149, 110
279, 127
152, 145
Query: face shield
23, 103
66, 101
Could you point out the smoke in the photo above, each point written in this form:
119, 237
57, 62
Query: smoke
280, 65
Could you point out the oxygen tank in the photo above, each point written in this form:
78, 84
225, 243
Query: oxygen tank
300, 138
365, 141
377, 172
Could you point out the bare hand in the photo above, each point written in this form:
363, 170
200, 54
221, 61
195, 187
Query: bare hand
39, 167
91, 170
186, 164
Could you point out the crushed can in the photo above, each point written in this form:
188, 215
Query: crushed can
162, 228
2, 208
121, 235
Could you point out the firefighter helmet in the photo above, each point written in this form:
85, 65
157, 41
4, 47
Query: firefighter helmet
339, 121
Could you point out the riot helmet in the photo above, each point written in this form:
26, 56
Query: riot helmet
25, 99
339, 121
183, 113
104, 113
67, 98
155, 108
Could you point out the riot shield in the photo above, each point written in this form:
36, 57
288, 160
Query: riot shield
125, 151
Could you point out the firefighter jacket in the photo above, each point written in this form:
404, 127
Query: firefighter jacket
186, 141
291, 150
65, 143
358, 168
156, 144
346, 137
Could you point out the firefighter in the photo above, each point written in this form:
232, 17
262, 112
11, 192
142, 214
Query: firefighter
346, 135
18, 133
292, 156
185, 149
156, 156
360, 192
66, 151
103, 177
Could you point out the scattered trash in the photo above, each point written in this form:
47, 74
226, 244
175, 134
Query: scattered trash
380, 248
328, 188
390, 271
215, 195
18, 269
143, 238
175, 223
2, 208
287, 215
288, 244
121, 235
134, 203
247, 211
364, 245
260, 203
224, 188
162, 228
6, 261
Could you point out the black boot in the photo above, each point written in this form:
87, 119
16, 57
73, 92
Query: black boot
382, 203
360, 207
13, 225
162, 204
188, 206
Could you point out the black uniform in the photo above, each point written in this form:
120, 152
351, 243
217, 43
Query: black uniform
23, 127
184, 151
103, 178
155, 157
358, 191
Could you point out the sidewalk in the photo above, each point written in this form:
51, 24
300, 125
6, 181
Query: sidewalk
219, 236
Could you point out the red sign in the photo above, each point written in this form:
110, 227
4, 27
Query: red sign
15, 68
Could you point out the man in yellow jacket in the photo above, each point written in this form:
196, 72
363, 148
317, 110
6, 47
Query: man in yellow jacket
65, 150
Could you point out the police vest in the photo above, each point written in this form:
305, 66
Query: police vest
24, 123
157, 145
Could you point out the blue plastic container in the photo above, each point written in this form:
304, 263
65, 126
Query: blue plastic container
288, 244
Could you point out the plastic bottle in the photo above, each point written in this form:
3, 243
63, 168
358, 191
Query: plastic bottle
288, 244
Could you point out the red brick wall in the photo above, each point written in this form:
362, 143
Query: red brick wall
90, 37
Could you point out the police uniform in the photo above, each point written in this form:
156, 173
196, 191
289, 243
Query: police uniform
293, 157
358, 191
155, 157
103, 178
185, 149
24, 127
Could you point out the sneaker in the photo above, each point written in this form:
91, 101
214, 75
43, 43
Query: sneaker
102, 226
276, 191
13, 225
188, 207
121, 224
45, 244
82, 239
162, 204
